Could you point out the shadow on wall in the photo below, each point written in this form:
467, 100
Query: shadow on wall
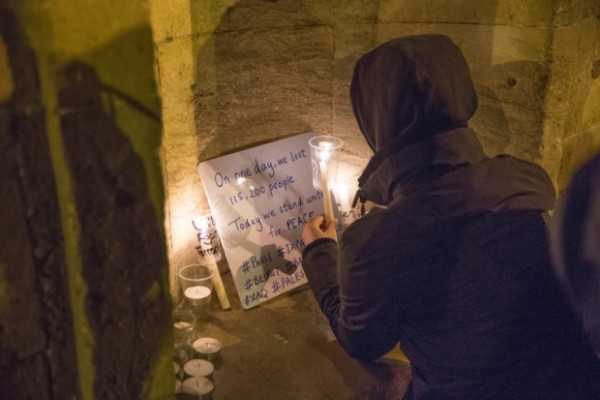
249, 88
36, 326
256, 82
247, 70
122, 243
245, 91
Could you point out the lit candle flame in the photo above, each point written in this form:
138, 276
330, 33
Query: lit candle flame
201, 224
324, 151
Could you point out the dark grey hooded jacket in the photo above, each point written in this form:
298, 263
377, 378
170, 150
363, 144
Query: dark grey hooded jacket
576, 247
455, 267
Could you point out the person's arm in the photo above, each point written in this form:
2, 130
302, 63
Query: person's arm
319, 261
358, 303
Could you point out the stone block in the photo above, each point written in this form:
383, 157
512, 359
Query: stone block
568, 12
268, 84
176, 61
251, 14
577, 149
77, 28
170, 19
208, 16
260, 14
500, 12
575, 88
352, 41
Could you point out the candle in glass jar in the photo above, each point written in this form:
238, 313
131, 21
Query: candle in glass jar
197, 295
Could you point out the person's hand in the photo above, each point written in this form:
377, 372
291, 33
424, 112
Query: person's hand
318, 228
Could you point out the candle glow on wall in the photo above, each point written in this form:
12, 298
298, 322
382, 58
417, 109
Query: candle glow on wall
207, 245
181, 206
208, 248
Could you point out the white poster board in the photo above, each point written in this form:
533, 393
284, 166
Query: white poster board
261, 199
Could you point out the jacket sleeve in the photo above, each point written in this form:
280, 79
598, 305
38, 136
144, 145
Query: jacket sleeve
574, 246
319, 261
354, 297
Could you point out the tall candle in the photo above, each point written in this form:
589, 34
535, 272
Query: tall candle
327, 204
323, 151
220, 288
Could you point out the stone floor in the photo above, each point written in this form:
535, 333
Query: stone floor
284, 350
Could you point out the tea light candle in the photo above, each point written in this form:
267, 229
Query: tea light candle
198, 367
201, 386
197, 295
182, 325
208, 348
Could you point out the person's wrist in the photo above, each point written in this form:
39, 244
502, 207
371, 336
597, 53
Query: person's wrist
316, 243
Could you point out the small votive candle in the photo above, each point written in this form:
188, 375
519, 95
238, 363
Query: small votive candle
207, 348
197, 295
198, 367
202, 387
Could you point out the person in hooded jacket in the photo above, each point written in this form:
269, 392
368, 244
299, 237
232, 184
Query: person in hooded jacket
575, 247
454, 265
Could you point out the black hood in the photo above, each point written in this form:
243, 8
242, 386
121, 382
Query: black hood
412, 98
409, 89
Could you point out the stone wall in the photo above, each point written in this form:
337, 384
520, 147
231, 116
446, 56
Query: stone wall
238, 73
32, 261
572, 110
84, 292
84, 299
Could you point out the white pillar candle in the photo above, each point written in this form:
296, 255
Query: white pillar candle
323, 151
219, 287
197, 295
206, 347
201, 386
198, 367
327, 204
